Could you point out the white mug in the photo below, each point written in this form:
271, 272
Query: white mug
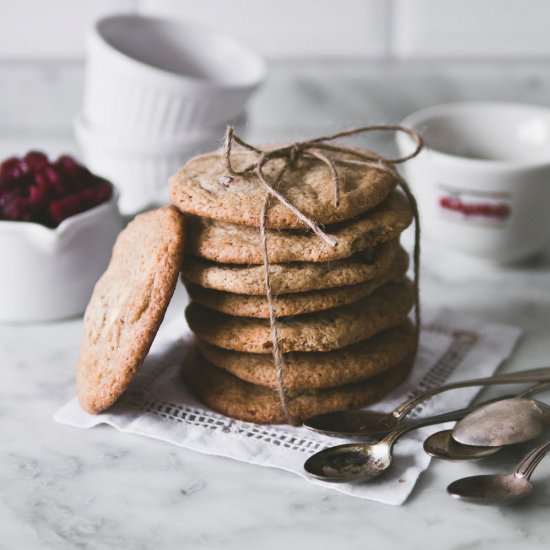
482, 180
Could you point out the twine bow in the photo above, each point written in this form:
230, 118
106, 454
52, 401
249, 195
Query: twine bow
316, 149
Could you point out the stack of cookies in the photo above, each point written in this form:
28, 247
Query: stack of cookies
342, 311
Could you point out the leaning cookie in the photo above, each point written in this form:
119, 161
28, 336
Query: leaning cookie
204, 187
321, 331
238, 244
324, 369
296, 303
228, 395
292, 277
127, 306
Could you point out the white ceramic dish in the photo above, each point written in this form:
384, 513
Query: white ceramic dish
140, 169
49, 274
483, 179
155, 78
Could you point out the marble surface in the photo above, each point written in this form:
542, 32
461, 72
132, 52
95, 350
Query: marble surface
63, 488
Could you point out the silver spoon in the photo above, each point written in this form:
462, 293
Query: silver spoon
442, 445
505, 422
498, 488
360, 422
354, 461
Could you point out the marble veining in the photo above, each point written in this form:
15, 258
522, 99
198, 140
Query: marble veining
63, 488
66, 488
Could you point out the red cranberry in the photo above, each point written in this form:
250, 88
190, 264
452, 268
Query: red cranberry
68, 166
16, 207
64, 208
10, 173
35, 160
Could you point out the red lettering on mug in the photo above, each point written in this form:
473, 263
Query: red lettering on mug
493, 210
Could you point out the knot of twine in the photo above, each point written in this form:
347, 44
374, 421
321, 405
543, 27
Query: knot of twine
316, 149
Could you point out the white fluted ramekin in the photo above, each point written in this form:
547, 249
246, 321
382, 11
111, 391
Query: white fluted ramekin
140, 169
49, 274
154, 78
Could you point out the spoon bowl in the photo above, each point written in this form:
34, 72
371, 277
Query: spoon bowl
503, 422
349, 462
490, 488
442, 445
353, 423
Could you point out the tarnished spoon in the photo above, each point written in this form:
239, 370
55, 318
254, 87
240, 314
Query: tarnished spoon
360, 422
354, 461
499, 488
442, 445
505, 422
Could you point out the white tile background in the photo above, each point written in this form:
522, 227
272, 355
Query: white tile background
290, 28
470, 28
54, 29
51, 29
349, 45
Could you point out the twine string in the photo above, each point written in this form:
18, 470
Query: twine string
277, 351
316, 149
333, 174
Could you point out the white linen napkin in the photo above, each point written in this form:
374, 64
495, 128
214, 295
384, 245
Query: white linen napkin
158, 405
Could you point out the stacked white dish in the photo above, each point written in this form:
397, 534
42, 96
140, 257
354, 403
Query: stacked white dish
156, 93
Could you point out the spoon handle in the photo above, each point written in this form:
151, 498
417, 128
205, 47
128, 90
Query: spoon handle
527, 465
535, 375
531, 390
392, 437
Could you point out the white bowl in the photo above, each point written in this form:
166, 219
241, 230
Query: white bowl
49, 274
140, 169
154, 78
482, 181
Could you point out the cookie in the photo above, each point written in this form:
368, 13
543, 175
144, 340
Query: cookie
320, 331
237, 244
204, 187
299, 302
322, 369
292, 277
233, 397
127, 306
